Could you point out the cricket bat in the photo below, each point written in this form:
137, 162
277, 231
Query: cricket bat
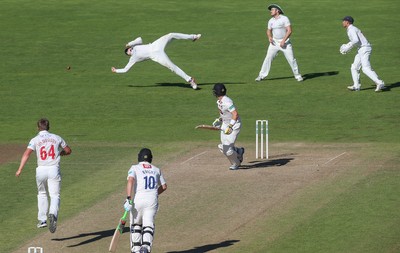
118, 231
208, 127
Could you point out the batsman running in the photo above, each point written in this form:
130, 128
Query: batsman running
155, 52
146, 182
230, 124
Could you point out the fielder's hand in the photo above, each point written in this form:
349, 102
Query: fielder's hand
229, 129
217, 122
128, 205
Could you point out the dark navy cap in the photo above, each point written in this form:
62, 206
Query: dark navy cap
349, 19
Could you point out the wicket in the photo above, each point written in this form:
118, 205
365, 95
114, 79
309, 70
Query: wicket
35, 250
260, 125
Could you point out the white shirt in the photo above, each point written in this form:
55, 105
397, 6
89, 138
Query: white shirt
226, 107
278, 26
147, 179
356, 37
139, 53
47, 147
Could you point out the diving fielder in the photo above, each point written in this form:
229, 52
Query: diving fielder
361, 60
146, 182
278, 31
49, 147
230, 124
155, 52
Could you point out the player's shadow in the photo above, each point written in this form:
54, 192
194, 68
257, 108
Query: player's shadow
388, 87
320, 74
98, 236
266, 163
308, 76
208, 247
181, 85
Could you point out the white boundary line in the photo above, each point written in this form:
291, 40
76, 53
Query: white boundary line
330, 160
191, 158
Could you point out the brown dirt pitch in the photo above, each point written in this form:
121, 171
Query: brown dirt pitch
207, 207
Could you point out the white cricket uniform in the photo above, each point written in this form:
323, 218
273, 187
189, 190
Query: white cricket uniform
226, 107
278, 27
48, 147
361, 60
148, 178
155, 52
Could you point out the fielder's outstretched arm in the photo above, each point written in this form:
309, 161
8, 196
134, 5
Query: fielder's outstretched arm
124, 70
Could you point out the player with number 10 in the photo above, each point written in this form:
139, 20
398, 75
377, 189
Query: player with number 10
146, 182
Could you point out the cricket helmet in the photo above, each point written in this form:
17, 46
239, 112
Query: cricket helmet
276, 7
145, 155
219, 90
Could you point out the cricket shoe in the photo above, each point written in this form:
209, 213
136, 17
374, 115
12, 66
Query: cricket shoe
41, 224
53, 223
353, 88
193, 83
234, 167
144, 249
196, 37
260, 78
299, 78
380, 86
240, 154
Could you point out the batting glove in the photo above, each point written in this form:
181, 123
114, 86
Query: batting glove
217, 122
229, 129
128, 205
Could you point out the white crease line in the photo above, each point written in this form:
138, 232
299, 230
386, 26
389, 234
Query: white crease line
193, 157
334, 158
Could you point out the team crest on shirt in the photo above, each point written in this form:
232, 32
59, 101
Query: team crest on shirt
146, 166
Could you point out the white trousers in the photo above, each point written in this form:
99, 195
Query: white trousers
361, 61
272, 52
48, 178
159, 55
228, 143
142, 218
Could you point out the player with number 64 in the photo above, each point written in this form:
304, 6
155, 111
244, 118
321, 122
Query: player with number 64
48, 147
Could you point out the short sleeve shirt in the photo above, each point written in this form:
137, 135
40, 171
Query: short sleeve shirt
147, 179
226, 107
47, 147
278, 26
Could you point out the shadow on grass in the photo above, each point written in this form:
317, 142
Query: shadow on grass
391, 86
182, 85
206, 248
388, 87
315, 75
307, 76
99, 235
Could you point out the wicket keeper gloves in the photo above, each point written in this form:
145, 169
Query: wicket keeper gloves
229, 129
217, 122
128, 205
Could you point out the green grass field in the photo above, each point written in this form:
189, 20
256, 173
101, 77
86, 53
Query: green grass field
106, 118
